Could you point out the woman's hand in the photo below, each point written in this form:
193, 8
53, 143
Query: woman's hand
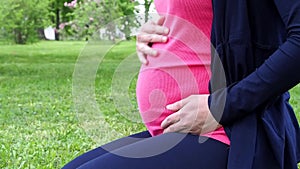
151, 32
192, 115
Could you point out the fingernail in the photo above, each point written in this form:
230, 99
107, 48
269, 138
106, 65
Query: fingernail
164, 39
154, 53
169, 106
166, 30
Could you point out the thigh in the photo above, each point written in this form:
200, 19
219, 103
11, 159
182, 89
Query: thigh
159, 152
84, 158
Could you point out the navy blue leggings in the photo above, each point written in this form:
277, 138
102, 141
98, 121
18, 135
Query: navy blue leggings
166, 151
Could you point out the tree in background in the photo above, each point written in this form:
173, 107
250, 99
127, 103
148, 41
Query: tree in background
145, 16
103, 17
61, 10
128, 19
147, 5
21, 19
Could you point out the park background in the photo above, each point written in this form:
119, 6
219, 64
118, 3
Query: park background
40, 126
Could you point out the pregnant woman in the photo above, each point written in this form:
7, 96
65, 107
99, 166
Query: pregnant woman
182, 65
181, 69
257, 42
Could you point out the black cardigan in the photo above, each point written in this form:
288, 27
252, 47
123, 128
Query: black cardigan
255, 62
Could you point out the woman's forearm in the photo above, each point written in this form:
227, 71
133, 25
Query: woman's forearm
279, 73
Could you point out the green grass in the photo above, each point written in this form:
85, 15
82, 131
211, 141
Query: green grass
295, 100
48, 117
39, 126
38, 123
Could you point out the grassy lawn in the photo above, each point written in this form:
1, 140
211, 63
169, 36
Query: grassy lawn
47, 117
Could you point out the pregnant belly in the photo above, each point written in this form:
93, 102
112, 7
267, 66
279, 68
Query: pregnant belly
157, 88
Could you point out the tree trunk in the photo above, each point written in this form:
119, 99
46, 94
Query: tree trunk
57, 13
147, 5
19, 37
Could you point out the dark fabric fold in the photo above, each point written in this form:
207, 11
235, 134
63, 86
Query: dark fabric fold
255, 62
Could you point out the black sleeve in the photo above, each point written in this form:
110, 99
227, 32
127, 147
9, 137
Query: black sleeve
279, 73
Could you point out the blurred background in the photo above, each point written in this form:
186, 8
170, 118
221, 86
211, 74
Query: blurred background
28, 21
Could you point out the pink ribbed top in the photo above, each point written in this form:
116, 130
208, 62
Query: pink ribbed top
182, 67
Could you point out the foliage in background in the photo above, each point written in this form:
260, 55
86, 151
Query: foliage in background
147, 4
60, 10
21, 20
110, 19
